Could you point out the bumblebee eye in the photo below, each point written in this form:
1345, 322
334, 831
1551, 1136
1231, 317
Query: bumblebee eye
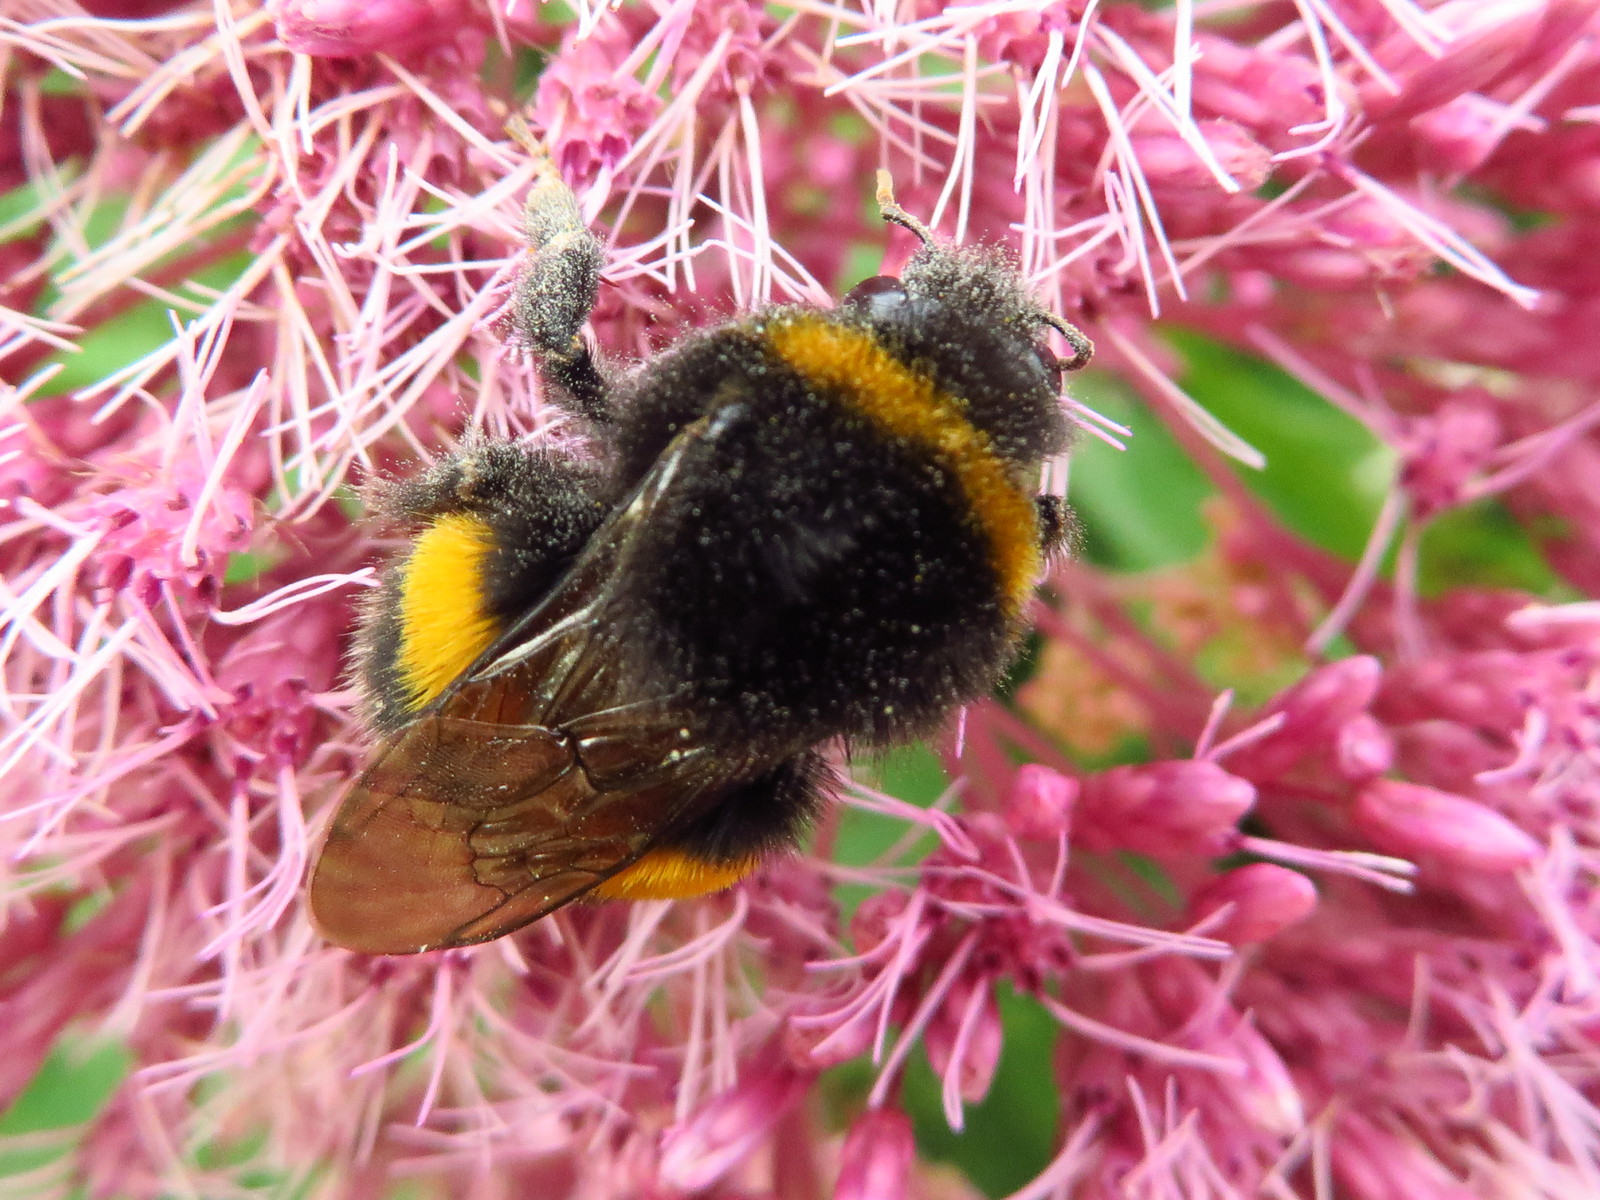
1050, 363
878, 296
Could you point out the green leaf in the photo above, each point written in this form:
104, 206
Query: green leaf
1138, 508
1326, 473
913, 774
1482, 545
1012, 1135
246, 566
72, 1086
111, 345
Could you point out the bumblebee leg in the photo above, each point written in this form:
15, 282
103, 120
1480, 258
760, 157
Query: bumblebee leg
1057, 529
1082, 347
556, 292
895, 215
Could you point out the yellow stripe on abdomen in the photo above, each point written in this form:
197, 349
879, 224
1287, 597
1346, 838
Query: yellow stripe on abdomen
905, 404
670, 874
443, 625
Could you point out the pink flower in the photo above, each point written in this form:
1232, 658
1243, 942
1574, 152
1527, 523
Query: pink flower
1255, 902
1041, 801
1425, 821
876, 1160
1167, 805
348, 28
592, 113
1290, 839
698, 1152
1314, 713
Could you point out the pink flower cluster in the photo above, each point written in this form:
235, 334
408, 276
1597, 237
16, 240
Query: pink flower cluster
1295, 846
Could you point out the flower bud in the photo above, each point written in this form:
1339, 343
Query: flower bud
1267, 1092
350, 28
1486, 689
1266, 900
1189, 801
1444, 450
1314, 711
1406, 818
1445, 754
724, 1132
1363, 749
875, 1163
1266, 91
1039, 804
1171, 164
972, 1057
811, 1045
1459, 137
875, 918
599, 110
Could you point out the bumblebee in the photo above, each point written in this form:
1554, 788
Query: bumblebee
612, 678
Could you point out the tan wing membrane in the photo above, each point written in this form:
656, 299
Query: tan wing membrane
461, 832
395, 878
398, 873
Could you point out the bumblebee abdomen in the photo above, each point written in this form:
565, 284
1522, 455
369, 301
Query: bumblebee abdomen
497, 525
427, 621
444, 623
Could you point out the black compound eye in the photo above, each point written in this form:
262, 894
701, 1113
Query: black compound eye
877, 297
1050, 363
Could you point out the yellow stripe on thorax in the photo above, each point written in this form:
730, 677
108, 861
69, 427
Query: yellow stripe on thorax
443, 626
670, 874
904, 403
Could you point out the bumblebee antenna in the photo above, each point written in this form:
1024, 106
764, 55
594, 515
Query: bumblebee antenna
896, 215
1082, 347
520, 132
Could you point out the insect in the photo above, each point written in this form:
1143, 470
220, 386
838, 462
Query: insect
612, 679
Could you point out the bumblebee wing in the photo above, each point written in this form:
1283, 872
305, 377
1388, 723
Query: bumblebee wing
530, 780
462, 831
397, 873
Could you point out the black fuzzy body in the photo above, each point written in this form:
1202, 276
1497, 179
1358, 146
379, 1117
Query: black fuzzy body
804, 576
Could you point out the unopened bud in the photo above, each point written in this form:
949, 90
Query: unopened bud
1188, 801
817, 1046
1406, 818
1170, 163
1363, 750
1267, 1092
1265, 898
1459, 137
350, 28
699, 1151
1445, 753
974, 1054
1314, 710
875, 1163
1039, 804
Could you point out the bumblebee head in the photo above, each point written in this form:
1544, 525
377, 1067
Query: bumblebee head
962, 316
973, 282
